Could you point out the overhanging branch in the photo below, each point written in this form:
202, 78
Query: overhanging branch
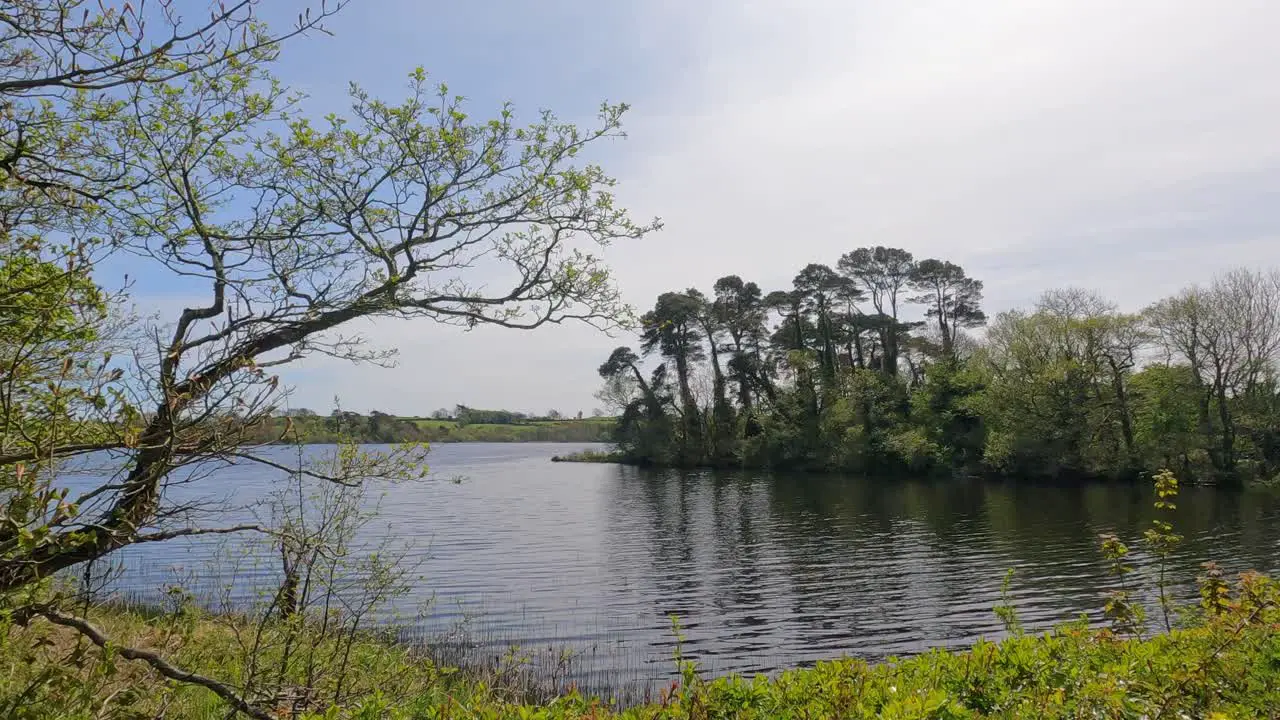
157, 663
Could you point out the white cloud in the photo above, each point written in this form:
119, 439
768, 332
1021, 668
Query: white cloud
971, 130
1126, 147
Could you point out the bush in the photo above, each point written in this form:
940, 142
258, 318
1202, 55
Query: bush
915, 450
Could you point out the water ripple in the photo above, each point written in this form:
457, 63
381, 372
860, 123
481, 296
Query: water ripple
764, 571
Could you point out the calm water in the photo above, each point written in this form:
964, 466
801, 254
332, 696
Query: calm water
765, 571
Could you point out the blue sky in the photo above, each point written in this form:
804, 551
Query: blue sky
1128, 148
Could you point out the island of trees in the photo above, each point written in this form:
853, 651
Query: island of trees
885, 363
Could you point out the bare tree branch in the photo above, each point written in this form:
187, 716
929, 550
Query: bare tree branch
157, 663
189, 532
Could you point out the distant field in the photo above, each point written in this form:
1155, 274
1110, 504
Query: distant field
426, 423
585, 430
385, 429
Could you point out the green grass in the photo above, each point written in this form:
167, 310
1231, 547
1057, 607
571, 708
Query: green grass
1224, 664
586, 430
427, 424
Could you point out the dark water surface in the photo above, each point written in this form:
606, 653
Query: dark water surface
764, 570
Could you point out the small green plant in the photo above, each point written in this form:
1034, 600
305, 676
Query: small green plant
1126, 614
688, 669
1122, 610
1006, 610
1161, 541
1215, 595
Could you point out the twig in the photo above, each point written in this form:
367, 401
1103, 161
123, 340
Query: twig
188, 532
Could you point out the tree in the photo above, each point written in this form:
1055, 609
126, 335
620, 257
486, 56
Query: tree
297, 231
672, 330
952, 299
709, 321
818, 287
618, 391
1167, 418
1060, 393
884, 274
643, 429
1181, 325
74, 83
713, 328
441, 414
741, 309
1122, 339
1229, 336
853, 325
622, 361
126, 130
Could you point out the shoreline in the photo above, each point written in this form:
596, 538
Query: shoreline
611, 457
1219, 662
615, 457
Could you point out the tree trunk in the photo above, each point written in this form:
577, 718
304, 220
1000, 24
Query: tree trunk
1228, 435
717, 376
287, 596
690, 420
650, 398
721, 415
1126, 422
889, 347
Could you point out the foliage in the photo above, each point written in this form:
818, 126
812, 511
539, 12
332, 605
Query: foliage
1161, 540
1006, 610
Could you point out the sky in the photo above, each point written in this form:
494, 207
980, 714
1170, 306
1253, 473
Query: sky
1128, 148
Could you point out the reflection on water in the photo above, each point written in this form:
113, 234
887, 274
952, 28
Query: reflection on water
764, 570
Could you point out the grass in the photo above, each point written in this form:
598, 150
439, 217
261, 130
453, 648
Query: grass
1219, 664
585, 430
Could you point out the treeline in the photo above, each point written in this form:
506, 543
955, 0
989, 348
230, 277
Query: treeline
886, 363
464, 415
306, 427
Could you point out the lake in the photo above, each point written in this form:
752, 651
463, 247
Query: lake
764, 570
